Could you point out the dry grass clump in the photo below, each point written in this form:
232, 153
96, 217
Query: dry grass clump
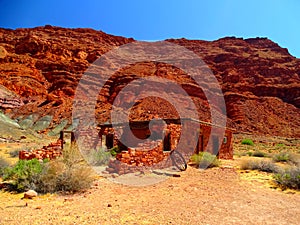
284, 178
3, 164
70, 173
58, 175
260, 165
289, 178
205, 160
291, 158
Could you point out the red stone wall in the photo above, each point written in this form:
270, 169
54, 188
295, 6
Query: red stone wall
151, 153
175, 131
226, 149
51, 151
146, 154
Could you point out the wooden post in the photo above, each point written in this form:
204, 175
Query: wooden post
200, 144
109, 142
72, 137
167, 141
216, 145
61, 137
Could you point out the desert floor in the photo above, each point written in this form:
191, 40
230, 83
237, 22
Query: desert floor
223, 195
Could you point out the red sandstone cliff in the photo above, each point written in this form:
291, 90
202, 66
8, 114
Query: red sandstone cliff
259, 79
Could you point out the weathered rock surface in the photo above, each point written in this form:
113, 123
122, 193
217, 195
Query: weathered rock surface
8, 99
259, 79
30, 194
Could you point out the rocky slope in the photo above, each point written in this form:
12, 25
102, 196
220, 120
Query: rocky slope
259, 79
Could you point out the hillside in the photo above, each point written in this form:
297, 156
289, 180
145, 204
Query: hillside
42, 66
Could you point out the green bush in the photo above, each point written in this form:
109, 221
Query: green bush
289, 178
205, 160
24, 174
115, 150
247, 142
260, 165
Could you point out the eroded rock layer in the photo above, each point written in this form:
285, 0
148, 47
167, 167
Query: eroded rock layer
259, 79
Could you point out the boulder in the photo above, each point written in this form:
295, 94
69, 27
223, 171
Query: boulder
30, 194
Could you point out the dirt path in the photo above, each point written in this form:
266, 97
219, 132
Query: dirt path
213, 196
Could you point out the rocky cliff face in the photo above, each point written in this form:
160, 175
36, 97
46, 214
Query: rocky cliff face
8, 99
259, 79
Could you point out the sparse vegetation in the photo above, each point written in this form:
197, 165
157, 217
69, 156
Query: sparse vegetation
69, 173
281, 157
3, 165
58, 175
247, 142
287, 157
205, 160
259, 154
115, 150
100, 157
289, 178
260, 165
103, 155
14, 153
24, 174
249, 153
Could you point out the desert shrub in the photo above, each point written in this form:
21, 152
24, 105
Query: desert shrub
3, 165
24, 174
281, 157
99, 157
72, 155
14, 153
247, 142
259, 154
69, 173
205, 160
290, 178
261, 165
58, 175
294, 159
287, 157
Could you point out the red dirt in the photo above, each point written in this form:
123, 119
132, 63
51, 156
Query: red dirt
213, 196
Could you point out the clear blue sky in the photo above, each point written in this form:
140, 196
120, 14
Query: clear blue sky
162, 19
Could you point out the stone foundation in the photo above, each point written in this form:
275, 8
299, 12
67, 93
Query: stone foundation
51, 151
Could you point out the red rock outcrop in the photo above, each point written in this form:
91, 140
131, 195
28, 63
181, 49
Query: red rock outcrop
9, 100
259, 79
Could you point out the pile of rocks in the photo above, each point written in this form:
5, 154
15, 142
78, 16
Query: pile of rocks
51, 151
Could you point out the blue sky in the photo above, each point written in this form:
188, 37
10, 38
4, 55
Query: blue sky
162, 19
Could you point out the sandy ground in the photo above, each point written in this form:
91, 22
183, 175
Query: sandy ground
213, 196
